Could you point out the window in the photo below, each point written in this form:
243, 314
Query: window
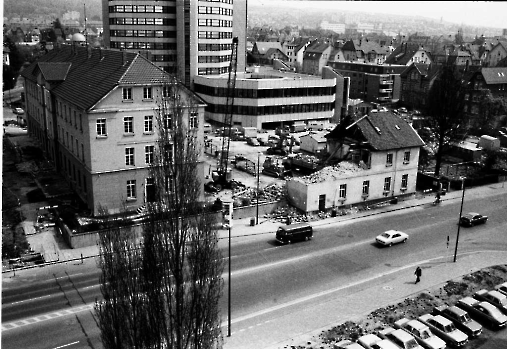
147, 93
128, 124
387, 184
193, 119
127, 94
129, 156
389, 159
169, 153
149, 151
406, 157
148, 124
343, 191
131, 189
404, 181
169, 183
366, 187
101, 127
168, 121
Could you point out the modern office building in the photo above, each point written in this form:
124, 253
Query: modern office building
94, 114
267, 98
184, 37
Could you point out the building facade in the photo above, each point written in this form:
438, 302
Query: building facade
184, 37
377, 160
267, 98
94, 113
372, 82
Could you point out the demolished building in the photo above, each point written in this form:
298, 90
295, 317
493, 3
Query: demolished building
377, 158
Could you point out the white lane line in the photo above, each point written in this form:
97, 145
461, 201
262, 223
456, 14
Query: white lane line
46, 317
66, 345
27, 300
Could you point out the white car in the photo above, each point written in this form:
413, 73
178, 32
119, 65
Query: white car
391, 237
371, 341
502, 288
445, 329
401, 338
346, 344
421, 333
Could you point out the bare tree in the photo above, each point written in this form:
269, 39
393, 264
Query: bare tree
180, 266
445, 104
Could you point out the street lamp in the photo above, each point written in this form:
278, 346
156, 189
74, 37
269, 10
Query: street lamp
258, 162
459, 218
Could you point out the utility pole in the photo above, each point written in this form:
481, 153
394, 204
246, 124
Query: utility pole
459, 218
258, 162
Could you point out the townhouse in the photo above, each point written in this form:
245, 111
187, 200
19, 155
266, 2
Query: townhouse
416, 82
94, 112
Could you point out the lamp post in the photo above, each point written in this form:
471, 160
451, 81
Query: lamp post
229, 290
257, 210
459, 218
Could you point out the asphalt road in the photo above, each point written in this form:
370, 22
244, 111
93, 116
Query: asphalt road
267, 279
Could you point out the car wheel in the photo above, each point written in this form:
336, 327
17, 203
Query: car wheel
288, 242
404, 240
390, 244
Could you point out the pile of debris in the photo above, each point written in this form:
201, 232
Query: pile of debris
270, 193
286, 214
332, 172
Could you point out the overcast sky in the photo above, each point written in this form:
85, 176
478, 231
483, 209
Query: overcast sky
486, 14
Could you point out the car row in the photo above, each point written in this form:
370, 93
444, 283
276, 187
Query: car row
447, 326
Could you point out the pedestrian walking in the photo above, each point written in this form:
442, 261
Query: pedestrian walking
82, 259
418, 273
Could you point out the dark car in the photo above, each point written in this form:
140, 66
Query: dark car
252, 141
472, 218
460, 318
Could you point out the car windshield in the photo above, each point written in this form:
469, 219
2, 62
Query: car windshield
411, 344
425, 334
449, 328
464, 318
385, 235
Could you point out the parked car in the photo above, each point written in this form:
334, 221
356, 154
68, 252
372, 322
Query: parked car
18, 111
502, 288
372, 341
494, 297
401, 338
402, 110
347, 344
460, 318
391, 237
472, 218
445, 329
421, 333
252, 141
483, 311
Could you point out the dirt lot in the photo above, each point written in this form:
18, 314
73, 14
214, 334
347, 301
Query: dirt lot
413, 308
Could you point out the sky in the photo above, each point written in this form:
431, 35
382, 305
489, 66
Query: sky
474, 13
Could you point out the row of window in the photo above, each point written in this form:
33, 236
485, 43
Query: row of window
129, 129
143, 45
214, 35
132, 187
206, 22
366, 186
143, 33
266, 93
214, 59
406, 158
222, 1
164, 58
271, 109
214, 47
141, 9
142, 21
212, 71
63, 136
203, 10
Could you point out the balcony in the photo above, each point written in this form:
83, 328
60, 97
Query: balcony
385, 90
386, 82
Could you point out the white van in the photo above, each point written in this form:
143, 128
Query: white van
316, 125
207, 128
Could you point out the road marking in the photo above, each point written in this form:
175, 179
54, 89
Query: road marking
45, 317
27, 300
66, 345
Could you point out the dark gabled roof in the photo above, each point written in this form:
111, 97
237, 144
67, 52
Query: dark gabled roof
495, 75
318, 47
402, 54
56, 71
382, 131
273, 50
426, 70
84, 77
264, 46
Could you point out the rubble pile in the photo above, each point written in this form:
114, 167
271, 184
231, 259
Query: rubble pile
269, 194
332, 172
286, 214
